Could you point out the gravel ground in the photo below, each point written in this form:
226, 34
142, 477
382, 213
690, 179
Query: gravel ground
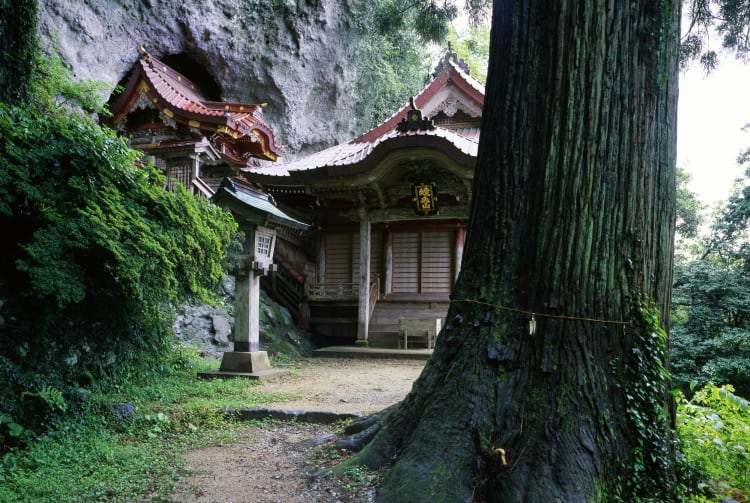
276, 463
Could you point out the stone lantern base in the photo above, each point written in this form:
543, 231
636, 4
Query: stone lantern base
250, 364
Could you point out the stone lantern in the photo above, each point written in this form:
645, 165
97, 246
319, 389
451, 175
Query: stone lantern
259, 219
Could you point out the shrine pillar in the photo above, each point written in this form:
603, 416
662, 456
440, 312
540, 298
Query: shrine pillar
246, 311
321, 257
363, 317
388, 259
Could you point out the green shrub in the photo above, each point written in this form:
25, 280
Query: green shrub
714, 430
95, 254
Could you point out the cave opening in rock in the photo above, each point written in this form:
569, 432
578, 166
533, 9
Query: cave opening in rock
196, 73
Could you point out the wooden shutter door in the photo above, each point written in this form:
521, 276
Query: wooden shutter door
437, 263
405, 262
338, 258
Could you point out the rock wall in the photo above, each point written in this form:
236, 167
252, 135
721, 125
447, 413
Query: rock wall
209, 329
297, 56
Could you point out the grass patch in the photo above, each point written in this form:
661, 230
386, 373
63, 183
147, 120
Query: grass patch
94, 454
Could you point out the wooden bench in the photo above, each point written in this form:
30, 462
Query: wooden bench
425, 329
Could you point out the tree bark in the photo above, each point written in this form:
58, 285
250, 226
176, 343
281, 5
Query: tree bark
538, 390
17, 46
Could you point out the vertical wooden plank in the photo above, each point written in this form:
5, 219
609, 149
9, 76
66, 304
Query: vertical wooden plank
320, 275
338, 255
388, 262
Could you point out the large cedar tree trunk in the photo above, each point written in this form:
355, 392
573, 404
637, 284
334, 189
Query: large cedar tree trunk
572, 220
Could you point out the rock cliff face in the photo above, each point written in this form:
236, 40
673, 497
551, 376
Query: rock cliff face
297, 55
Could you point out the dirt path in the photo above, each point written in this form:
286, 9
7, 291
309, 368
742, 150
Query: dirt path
275, 464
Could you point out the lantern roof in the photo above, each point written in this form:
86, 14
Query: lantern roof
240, 196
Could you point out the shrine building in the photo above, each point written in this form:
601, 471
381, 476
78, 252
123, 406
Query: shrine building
388, 212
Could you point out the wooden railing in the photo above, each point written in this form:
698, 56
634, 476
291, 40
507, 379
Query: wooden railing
343, 291
287, 286
374, 294
335, 291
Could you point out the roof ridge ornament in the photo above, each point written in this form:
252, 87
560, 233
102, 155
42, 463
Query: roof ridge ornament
451, 55
414, 120
144, 53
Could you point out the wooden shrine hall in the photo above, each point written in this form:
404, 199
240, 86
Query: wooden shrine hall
388, 212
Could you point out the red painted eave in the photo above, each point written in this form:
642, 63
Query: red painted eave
168, 90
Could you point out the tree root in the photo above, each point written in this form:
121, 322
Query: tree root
362, 430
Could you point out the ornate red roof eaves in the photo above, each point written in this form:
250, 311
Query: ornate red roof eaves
180, 100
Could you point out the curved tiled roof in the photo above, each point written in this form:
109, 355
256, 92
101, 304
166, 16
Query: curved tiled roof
463, 140
466, 141
453, 74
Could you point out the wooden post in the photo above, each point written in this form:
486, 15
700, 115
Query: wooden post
196, 168
388, 255
363, 317
242, 309
321, 257
246, 359
247, 312
250, 312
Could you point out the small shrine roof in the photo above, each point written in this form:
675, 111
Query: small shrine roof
180, 99
450, 74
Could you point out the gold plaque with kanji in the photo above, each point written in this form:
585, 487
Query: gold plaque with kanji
425, 198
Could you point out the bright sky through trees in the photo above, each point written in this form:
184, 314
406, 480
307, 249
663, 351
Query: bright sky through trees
712, 111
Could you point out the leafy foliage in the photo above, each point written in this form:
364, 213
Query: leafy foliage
473, 44
95, 455
714, 429
426, 19
709, 341
95, 251
394, 60
651, 473
728, 18
18, 21
392, 64
689, 207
